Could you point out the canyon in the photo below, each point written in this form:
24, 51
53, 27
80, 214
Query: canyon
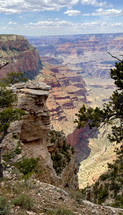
90, 57
66, 96
77, 68
85, 54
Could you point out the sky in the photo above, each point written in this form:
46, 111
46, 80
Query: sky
60, 17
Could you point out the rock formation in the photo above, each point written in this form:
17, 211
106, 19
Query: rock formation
21, 56
32, 132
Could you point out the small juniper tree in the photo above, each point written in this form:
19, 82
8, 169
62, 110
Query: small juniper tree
13, 77
111, 113
7, 112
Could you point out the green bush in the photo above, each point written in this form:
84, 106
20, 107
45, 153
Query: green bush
114, 186
52, 140
102, 195
118, 201
73, 150
17, 150
65, 147
23, 201
27, 165
114, 171
57, 162
4, 206
9, 155
104, 177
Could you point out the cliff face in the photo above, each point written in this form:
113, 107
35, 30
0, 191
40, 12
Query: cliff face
20, 54
33, 130
67, 95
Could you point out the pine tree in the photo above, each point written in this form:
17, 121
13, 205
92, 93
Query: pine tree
111, 113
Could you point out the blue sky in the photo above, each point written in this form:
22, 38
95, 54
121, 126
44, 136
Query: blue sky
60, 17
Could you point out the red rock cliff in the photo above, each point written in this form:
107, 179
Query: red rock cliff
20, 54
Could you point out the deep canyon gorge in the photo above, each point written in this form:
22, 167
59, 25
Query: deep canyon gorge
85, 60
78, 70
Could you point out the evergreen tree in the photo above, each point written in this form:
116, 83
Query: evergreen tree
12, 78
7, 112
111, 113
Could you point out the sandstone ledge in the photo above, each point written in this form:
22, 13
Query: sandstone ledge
32, 87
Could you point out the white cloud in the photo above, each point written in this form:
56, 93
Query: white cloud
90, 24
50, 27
109, 12
72, 12
118, 24
63, 27
12, 23
102, 12
67, 26
63, 23
18, 6
93, 3
49, 23
102, 25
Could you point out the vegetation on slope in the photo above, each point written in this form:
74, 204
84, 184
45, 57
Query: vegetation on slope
61, 152
109, 186
8, 114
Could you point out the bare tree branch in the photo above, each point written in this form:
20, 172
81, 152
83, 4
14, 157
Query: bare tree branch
115, 57
4, 65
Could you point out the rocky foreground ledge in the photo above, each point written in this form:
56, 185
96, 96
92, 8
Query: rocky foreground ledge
48, 199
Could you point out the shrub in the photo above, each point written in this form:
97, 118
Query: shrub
27, 165
23, 201
57, 164
65, 147
104, 177
4, 206
102, 195
114, 171
118, 201
72, 150
17, 150
52, 140
9, 155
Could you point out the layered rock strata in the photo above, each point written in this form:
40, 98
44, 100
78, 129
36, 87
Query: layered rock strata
33, 129
87, 54
66, 96
20, 55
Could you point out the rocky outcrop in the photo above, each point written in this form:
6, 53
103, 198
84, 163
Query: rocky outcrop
21, 56
33, 130
48, 199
